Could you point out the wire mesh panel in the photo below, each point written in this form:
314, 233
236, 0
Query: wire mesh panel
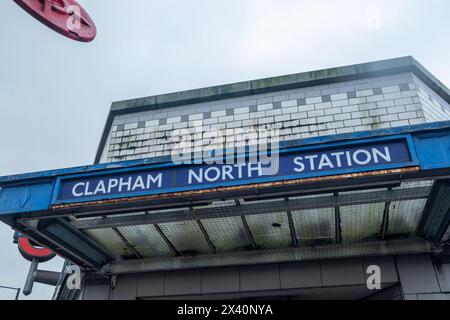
404, 216
415, 183
186, 236
227, 234
270, 230
109, 239
361, 222
146, 240
315, 226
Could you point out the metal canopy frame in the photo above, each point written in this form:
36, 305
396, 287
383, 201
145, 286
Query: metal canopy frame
242, 209
30, 214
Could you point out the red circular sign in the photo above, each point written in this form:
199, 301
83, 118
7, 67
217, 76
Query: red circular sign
66, 17
30, 251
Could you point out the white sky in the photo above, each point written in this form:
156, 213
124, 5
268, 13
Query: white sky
55, 93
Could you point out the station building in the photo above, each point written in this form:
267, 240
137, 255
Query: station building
356, 174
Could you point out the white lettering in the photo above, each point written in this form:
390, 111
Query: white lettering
311, 161
213, 178
362, 162
338, 155
325, 161
198, 177
126, 184
74, 190
300, 164
158, 180
112, 183
377, 153
258, 169
101, 188
139, 183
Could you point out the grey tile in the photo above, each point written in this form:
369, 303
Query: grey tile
248, 103
220, 280
296, 96
260, 278
435, 296
96, 292
404, 87
253, 108
265, 100
342, 272
417, 274
151, 285
312, 94
120, 127
207, 115
377, 91
141, 124
351, 94
163, 122
363, 86
277, 105
125, 288
326, 98
280, 98
230, 112
300, 275
330, 91
185, 118
301, 102
183, 282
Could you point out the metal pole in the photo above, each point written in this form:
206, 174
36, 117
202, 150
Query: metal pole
28, 288
17, 294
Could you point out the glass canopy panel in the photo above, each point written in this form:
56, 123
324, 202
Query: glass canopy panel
361, 222
415, 183
146, 240
404, 216
186, 236
315, 226
270, 230
109, 239
227, 234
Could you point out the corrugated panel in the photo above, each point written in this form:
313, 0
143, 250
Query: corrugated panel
227, 234
361, 222
186, 236
404, 216
146, 240
415, 183
270, 230
315, 226
129, 214
362, 191
109, 239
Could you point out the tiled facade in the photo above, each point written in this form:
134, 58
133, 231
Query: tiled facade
343, 107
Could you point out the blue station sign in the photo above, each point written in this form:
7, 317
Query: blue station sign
286, 165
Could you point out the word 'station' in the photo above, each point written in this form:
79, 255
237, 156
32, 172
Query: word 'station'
301, 164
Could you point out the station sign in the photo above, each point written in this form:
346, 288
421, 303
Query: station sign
286, 165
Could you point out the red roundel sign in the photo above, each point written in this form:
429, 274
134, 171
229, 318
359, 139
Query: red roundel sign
66, 17
30, 250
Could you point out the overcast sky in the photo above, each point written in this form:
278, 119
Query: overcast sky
55, 93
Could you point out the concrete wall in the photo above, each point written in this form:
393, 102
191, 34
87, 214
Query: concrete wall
409, 277
310, 280
344, 107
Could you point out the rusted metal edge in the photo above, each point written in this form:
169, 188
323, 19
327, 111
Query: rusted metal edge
237, 188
